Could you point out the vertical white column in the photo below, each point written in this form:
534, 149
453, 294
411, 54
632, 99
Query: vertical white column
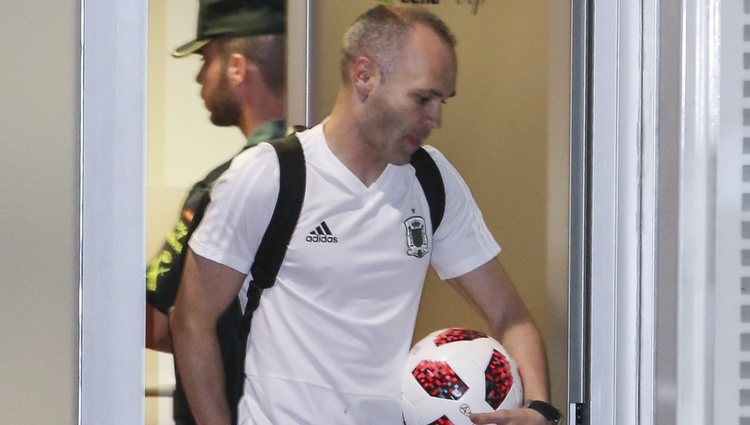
694, 386
615, 212
113, 82
725, 139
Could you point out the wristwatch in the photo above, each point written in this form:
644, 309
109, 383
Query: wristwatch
545, 409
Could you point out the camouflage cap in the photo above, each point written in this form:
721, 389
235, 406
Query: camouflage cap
235, 18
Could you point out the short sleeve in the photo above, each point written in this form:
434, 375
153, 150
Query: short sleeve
240, 209
462, 242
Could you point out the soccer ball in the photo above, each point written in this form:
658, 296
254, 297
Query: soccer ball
453, 372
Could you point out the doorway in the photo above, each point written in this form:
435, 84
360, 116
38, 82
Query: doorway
507, 132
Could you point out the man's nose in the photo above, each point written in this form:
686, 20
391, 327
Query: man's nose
199, 75
433, 115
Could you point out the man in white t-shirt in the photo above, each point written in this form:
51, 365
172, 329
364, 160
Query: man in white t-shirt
330, 338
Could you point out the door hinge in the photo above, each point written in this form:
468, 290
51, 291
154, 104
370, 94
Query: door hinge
576, 414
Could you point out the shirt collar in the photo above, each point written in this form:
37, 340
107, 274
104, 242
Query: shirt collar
269, 130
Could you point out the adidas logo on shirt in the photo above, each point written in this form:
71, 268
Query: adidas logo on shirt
322, 234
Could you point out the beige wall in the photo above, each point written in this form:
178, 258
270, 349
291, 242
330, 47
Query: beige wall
39, 118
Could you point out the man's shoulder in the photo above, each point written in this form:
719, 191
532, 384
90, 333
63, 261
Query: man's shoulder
258, 156
446, 168
435, 153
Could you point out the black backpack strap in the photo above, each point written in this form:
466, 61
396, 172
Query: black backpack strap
275, 241
268, 257
431, 181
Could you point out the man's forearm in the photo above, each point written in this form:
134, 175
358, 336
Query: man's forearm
525, 344
200, 302
157, 330
198, 359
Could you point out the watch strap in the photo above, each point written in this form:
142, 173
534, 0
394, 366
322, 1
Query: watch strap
547, 410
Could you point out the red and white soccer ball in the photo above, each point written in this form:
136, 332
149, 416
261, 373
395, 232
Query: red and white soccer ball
453, 372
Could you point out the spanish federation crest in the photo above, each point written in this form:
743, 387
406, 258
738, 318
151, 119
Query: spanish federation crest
416, 237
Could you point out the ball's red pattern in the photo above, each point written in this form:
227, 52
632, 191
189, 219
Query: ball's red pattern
498, 379
457, 334
442, 421
439, 380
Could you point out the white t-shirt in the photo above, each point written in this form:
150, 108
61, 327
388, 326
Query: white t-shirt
330, 338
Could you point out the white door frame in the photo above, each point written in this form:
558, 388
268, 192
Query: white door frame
112, 158
615, 155
647, 132
613, 184
606, 221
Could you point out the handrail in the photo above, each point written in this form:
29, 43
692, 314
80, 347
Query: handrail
160, 390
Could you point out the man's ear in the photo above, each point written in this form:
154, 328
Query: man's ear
365, 76
236, 68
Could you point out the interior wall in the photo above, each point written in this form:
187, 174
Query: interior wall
506, 131
39, 104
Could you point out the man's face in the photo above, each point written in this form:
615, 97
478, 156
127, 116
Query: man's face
216, 91
406, 105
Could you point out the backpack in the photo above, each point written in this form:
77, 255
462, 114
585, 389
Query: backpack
234, 326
